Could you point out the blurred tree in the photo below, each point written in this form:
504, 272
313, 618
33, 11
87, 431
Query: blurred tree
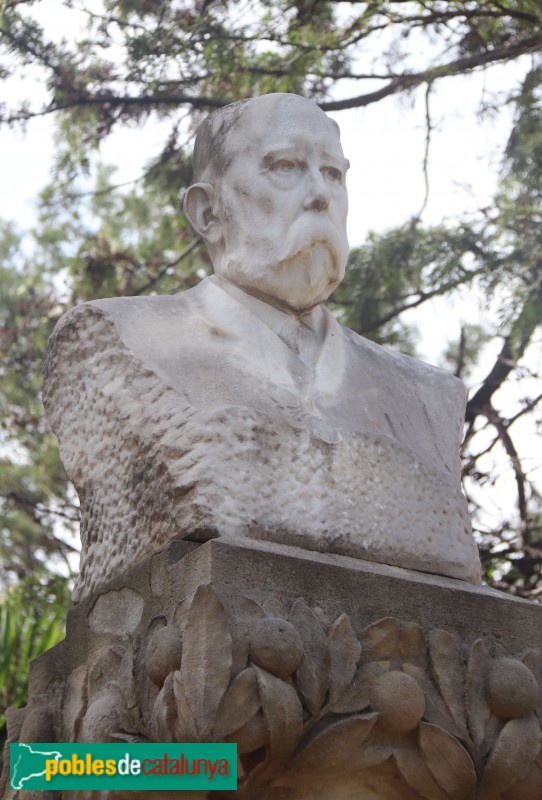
137, 60
32, 619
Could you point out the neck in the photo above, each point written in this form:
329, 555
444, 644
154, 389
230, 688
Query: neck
276, 302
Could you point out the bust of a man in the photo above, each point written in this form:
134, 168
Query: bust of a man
241, 408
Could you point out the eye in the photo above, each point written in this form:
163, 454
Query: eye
285, 166
332, 174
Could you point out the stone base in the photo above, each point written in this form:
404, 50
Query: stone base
339, 679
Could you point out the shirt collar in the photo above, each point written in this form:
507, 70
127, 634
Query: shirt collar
280, 322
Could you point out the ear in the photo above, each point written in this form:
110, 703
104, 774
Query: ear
199, 202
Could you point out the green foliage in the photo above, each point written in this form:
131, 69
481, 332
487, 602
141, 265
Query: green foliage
33, 487
32, 620
401, 269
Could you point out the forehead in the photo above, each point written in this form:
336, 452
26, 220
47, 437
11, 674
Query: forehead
286, 124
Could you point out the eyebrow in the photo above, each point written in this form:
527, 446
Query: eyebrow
286, 151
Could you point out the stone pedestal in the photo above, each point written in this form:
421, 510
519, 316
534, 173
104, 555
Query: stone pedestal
338, 678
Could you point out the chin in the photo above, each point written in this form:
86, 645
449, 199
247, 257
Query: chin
304, 282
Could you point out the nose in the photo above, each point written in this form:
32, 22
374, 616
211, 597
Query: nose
317, 198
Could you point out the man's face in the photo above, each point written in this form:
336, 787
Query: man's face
282, 204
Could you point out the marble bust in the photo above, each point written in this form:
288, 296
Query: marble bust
242, 408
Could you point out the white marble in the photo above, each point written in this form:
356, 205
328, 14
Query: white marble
242, 407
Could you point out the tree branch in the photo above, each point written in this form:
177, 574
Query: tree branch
423, 296
154, 280
460, 361
528, 407
503, 366
460, 65
401, 83
428, 129
112, 101
521, 479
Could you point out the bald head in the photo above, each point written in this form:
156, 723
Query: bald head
215, 143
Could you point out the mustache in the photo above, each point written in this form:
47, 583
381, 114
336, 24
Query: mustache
313, 229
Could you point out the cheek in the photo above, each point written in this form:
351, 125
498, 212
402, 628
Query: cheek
340, 209
244, 202
260, 203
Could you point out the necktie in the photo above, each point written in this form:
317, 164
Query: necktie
301, 339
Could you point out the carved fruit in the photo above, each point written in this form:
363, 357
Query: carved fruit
513, 690
276, 646
399, 701
164, 653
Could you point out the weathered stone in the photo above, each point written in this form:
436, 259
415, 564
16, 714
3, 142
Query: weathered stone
513, 690
117, 612
164, 651
102, 719
399, 701
75, 703
276, 646
417, 713
241, 407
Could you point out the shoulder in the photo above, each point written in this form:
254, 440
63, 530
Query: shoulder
430, 380
419, 390
122, 313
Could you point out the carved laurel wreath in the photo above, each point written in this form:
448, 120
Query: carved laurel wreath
295, 693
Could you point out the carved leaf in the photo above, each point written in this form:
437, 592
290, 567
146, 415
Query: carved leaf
371, 754
417, 774
283, 715
126, 677
241, 612
207, 658
106, 713
530, 788
75, 702
449, 671
240, 703
312, 675
448, 762
186, 726
164, 714
132, 738
533, 660
492, 733
337, 746
512, 758
356, 695
103, 667
251, 736
244, 608
478, 710
392, 638
435, 707
344, 653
